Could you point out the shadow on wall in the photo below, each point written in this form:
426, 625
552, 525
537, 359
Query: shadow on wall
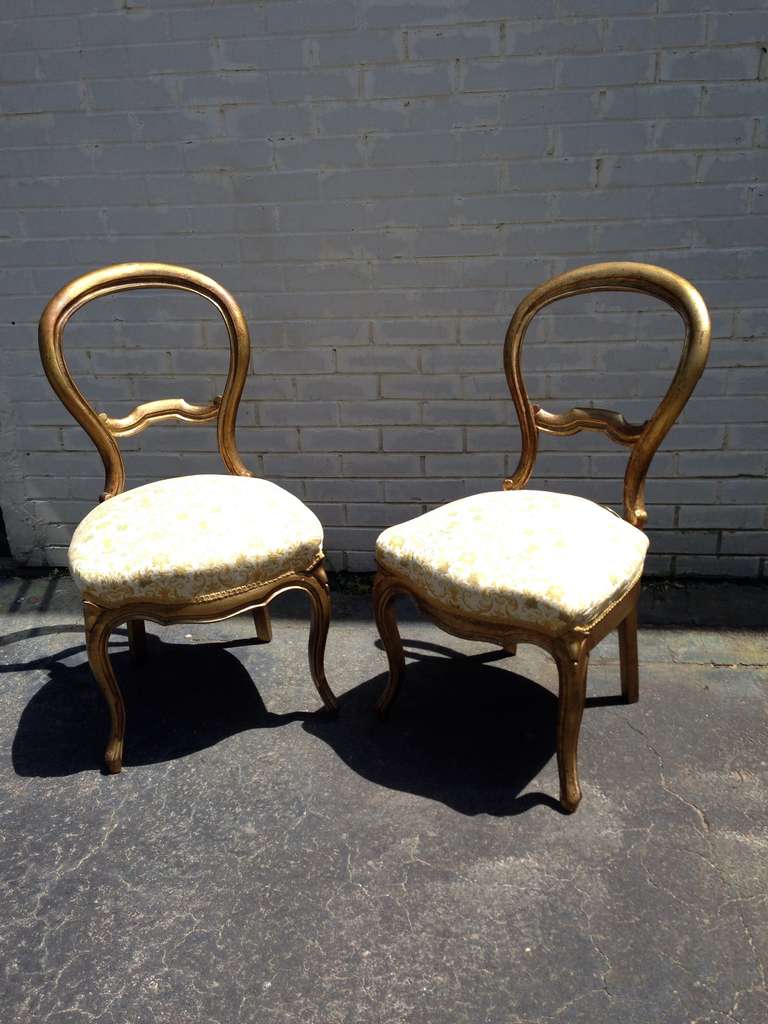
463, 732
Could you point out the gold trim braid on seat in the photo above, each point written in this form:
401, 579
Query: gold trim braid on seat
645, 438
234, 591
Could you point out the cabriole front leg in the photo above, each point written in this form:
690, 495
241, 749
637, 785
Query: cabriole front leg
320, 603
572, 663
98, 627
384, 592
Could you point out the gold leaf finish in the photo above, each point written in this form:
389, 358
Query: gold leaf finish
542, 602
177, 587
164, 409
644, 439
100, 428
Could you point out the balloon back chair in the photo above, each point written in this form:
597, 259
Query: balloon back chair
530, 566
186, 549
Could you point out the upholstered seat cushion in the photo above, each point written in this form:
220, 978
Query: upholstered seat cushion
192, 538
552, 562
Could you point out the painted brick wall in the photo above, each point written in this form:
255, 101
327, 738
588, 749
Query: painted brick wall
379, 183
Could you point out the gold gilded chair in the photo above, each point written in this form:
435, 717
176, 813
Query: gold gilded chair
554, 570
186, 549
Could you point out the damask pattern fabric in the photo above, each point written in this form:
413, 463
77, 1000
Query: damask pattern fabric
191, 538
529, 558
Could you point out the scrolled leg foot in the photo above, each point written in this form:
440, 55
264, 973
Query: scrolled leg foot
384, 592
97, 631
113, 756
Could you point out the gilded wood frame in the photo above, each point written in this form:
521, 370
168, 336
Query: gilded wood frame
104, 432
570, 650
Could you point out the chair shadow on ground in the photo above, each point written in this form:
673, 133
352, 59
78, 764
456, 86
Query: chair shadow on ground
185, 697
463, 731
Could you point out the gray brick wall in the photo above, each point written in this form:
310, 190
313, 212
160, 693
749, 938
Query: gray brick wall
379, 182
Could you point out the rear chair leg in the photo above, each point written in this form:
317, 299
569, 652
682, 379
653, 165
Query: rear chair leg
137, 640
263, 624
630, 677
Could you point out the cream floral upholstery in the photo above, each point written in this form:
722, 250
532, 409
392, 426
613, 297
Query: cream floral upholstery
528, 558
191, 539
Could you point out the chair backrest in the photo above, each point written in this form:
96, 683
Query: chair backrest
642, 438
101, 428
